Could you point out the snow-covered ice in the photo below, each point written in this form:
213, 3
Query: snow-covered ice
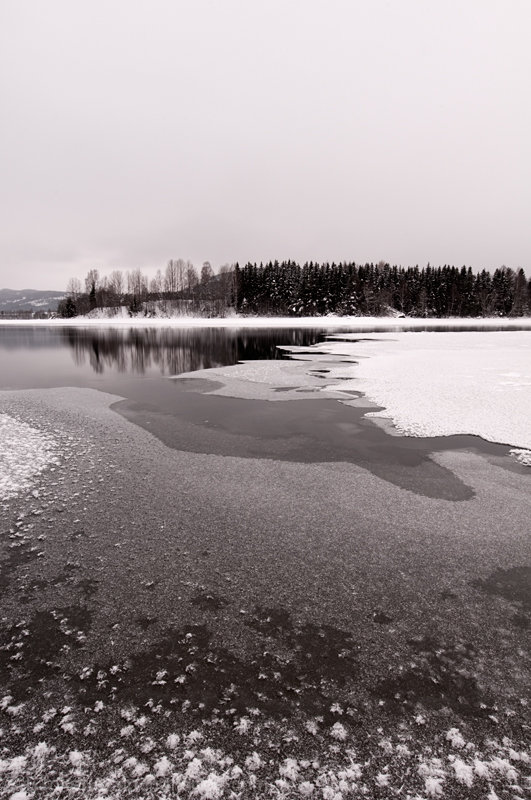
25, 452
522, 456
440, 384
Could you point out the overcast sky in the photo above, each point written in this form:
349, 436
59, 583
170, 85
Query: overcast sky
134, 131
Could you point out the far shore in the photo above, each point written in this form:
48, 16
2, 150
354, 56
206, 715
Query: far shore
236, 321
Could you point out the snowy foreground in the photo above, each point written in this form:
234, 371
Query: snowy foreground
189, 768
315, 710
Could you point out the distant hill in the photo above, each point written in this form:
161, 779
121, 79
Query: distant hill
29, 300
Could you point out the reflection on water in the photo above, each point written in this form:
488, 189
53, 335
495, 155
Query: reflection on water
79, 356
174, 351
107, 357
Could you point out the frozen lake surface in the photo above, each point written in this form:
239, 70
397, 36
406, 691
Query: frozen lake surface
254, 590
442, 384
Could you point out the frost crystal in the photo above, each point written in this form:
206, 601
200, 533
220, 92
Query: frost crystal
433, 786
162, 767
41, 750
463, 772
338, 731
253, 762
211, 788
75, 758
193, 770
17, 764
455, 738
243, 725
480, 768
289, 769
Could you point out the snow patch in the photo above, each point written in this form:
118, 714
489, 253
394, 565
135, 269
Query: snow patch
25, 452
522, 456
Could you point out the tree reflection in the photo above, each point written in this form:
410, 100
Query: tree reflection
178, 350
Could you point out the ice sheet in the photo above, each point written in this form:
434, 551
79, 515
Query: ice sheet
439, 384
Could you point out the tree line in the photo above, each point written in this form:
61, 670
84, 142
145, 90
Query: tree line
180, 289
312, 289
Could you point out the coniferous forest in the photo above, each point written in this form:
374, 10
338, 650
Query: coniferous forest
289, 289
375, 289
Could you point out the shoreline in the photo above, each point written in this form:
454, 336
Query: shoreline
354, 323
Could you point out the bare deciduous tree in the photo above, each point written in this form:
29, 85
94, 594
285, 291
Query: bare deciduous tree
173, 276
74, 288
192, 278
207, 272
92, 280
116, 283
156, 286
137, 284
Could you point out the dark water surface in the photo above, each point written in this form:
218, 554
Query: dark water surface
112, 360
133, 363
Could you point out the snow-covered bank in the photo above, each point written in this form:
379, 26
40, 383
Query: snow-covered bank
25, 452
440, 384
236, 321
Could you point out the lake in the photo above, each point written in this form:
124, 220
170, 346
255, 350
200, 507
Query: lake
247, 589
114, 360
118, 360
138, 363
